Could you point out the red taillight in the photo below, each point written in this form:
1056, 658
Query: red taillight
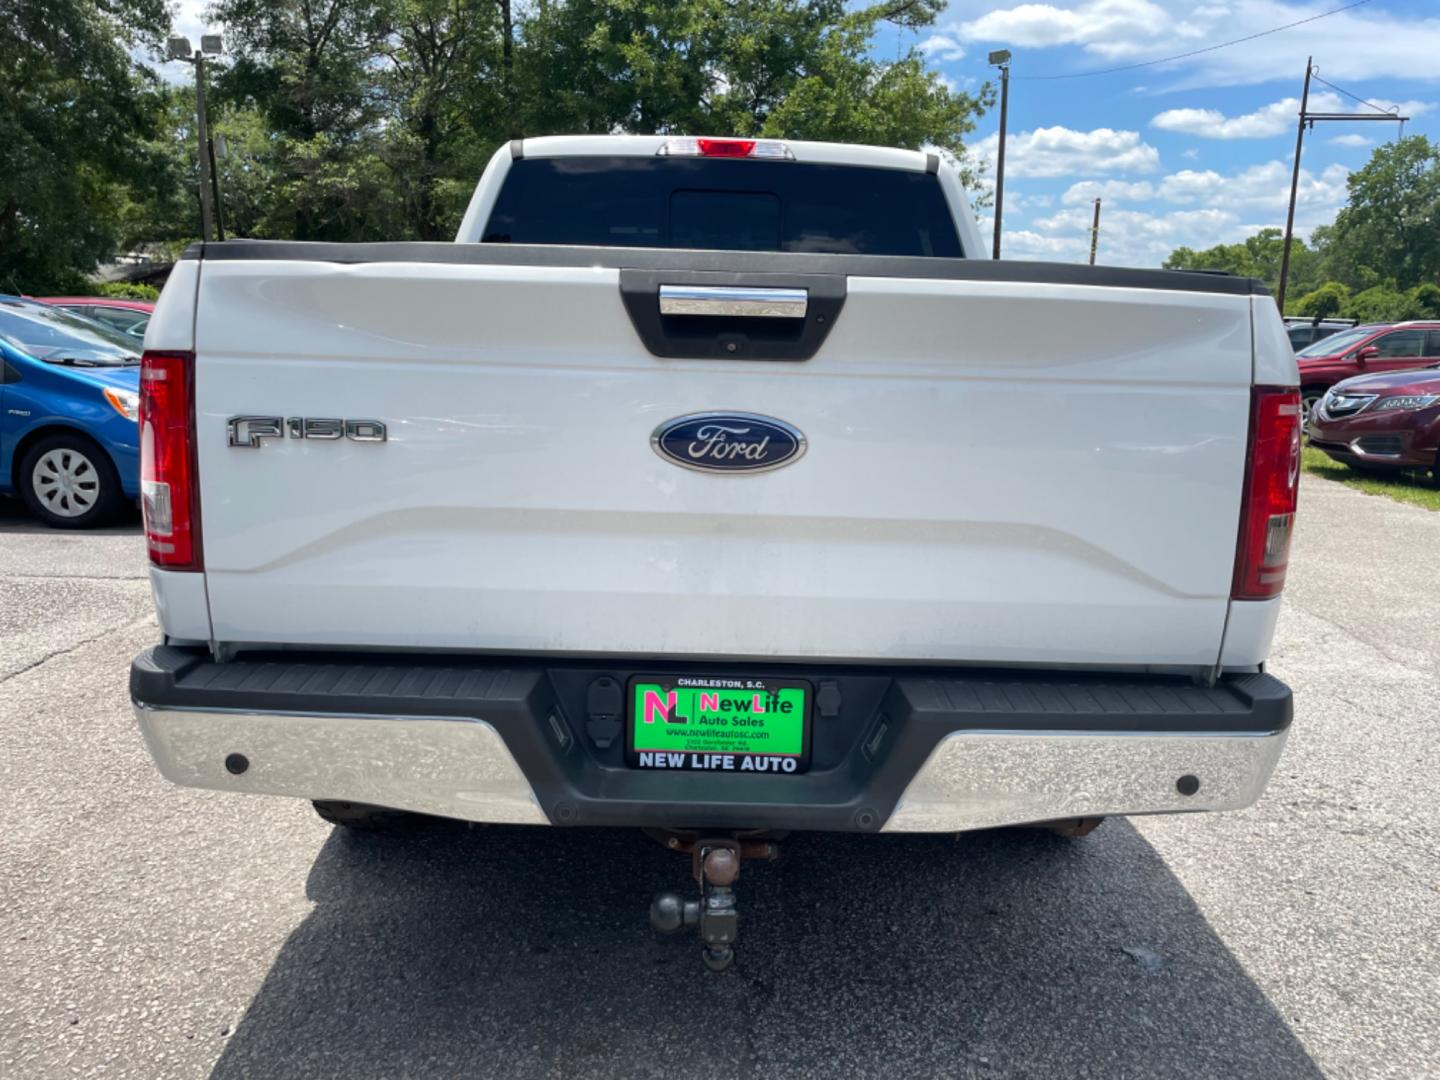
169, 484
1272, 479
726, 147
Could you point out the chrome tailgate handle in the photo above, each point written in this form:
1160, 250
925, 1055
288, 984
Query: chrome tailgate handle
732, 300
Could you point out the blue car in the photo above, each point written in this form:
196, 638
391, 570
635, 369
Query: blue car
69, 398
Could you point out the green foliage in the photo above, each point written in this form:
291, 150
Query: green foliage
1382, 303
1385, 302
370, 119
1325, 302
1390, 228
127, 290
1426, 299
1258, 257
80, 127
777, 68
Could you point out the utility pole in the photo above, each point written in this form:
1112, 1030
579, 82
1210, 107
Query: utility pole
1294, 186
1095, 232
1001, 59
1308, 119
178, 48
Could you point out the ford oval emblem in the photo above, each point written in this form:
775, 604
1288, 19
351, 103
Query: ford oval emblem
728, 442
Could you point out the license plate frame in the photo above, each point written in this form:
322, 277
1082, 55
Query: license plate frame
705, 749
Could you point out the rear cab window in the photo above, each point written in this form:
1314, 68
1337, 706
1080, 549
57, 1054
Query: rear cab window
719, 204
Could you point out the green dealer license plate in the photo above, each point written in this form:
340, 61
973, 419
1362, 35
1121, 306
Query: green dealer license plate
719, 724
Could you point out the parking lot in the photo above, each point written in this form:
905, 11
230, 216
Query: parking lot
151, 931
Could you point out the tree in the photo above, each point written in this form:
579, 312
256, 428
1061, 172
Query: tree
81, 128
1325, 302
1390, 227
1427, 300
776, 68
372, 119
1380, 304
1258, 257
448, 109
309, 70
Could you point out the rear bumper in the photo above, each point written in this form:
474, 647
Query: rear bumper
917, 750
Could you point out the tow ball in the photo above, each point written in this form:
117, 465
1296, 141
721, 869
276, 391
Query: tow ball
716, 866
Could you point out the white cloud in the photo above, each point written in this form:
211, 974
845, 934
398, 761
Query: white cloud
1192, 153
1374, 43
1108, 190
1264, 187
1028, 244
1062, 151
941, 47
1271, 119
1205, 208
1350, 140
1109, 27
1127, 237
1135, 237
1277, 118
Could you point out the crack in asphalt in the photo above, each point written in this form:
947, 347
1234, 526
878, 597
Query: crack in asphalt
107, 632
1426, 669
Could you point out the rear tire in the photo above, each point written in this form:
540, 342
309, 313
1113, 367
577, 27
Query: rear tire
1309, 398
69, 482
361, 816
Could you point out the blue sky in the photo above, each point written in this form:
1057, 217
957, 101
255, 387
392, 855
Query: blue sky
1195, 152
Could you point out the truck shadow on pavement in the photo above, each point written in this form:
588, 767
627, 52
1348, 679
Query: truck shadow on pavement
491, 951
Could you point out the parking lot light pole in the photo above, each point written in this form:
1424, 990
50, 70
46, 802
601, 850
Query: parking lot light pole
1001, 59
178, 48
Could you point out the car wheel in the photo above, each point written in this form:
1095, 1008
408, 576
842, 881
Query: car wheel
68, 482
1309, 398
361, 817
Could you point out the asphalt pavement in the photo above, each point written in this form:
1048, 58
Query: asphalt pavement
148, 931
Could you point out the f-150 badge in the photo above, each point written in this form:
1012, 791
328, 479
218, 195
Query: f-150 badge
251, 431
728, 442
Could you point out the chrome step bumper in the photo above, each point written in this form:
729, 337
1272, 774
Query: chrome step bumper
461, 768
519, 740
983, 780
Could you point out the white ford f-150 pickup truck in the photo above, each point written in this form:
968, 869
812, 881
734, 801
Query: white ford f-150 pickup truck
719, 487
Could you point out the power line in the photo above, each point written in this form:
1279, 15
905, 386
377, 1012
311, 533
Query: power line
1196, 52
1392, 111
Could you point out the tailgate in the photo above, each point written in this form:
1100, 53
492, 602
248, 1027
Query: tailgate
1041, 470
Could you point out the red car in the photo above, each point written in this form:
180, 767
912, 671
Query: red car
128, 316
1365, 350
1382, 422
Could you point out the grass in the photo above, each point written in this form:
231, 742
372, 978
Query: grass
1410, 488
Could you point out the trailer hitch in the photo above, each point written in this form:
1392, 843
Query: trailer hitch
715, 864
